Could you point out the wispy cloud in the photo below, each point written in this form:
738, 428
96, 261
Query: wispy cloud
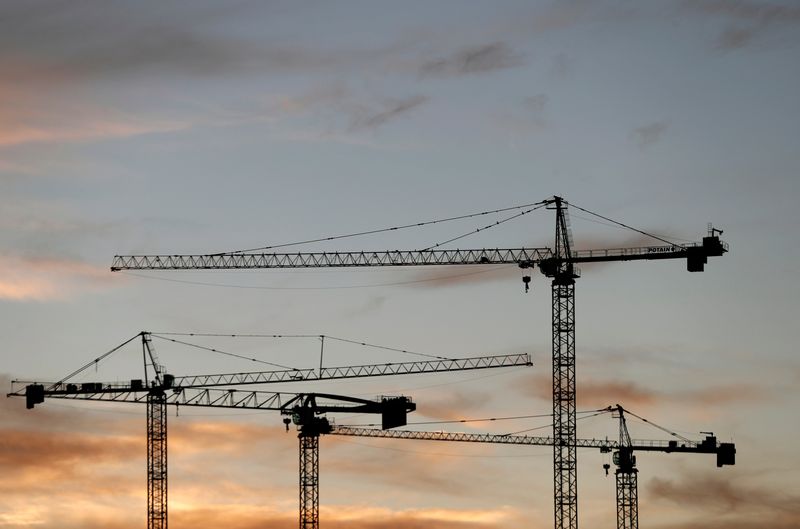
747, 19
724, 501
372, 118
473, 60
649, 134
43, 278
601, 392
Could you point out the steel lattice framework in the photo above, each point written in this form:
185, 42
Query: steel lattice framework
156, 460
309, 481
627, 498
370, 370
565, 460
237, 261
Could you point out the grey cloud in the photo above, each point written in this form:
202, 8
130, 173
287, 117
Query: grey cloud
372, 119
79, 40
647, 135
473, 60
562, 65
751, 18
733, 38
760, 12
92, 38
536, 106
736, 501
352, 112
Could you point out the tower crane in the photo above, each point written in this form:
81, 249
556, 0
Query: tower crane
305, 413
557, 263
627, 500
203, 390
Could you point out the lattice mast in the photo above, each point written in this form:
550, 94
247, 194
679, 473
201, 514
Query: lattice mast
626, 476
156, 439
565, 460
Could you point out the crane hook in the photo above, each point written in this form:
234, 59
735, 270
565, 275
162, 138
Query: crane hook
526, 280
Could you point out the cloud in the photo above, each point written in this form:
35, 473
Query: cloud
752, 19
86, 40
454, 406
562, 65
238, 516
473, 60
348, 111
761, 12
536, 107
44, 278
649, 134
31, 116
394, 462
733, 38
367, 119
729, 501
85, 129
598, 393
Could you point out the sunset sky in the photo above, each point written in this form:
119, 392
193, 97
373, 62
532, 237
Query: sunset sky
203, 127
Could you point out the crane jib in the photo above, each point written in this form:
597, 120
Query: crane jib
525, 257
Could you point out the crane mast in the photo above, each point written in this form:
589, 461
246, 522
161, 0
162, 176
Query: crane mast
626, 477
565, 458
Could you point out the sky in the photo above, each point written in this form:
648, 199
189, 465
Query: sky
203, 127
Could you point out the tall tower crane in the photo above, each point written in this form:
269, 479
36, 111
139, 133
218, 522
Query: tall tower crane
200, 390
627, 500
557, 263
305, 413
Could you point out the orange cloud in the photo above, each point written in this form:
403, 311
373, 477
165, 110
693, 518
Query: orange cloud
43, 278
43, 115
87, 128
598, 393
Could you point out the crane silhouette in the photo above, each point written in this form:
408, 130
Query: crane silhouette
627, 498
163, 389
557, 263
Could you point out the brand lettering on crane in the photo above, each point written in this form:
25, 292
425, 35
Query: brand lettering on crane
662, 249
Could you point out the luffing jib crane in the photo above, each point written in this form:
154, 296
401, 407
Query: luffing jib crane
557, 263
